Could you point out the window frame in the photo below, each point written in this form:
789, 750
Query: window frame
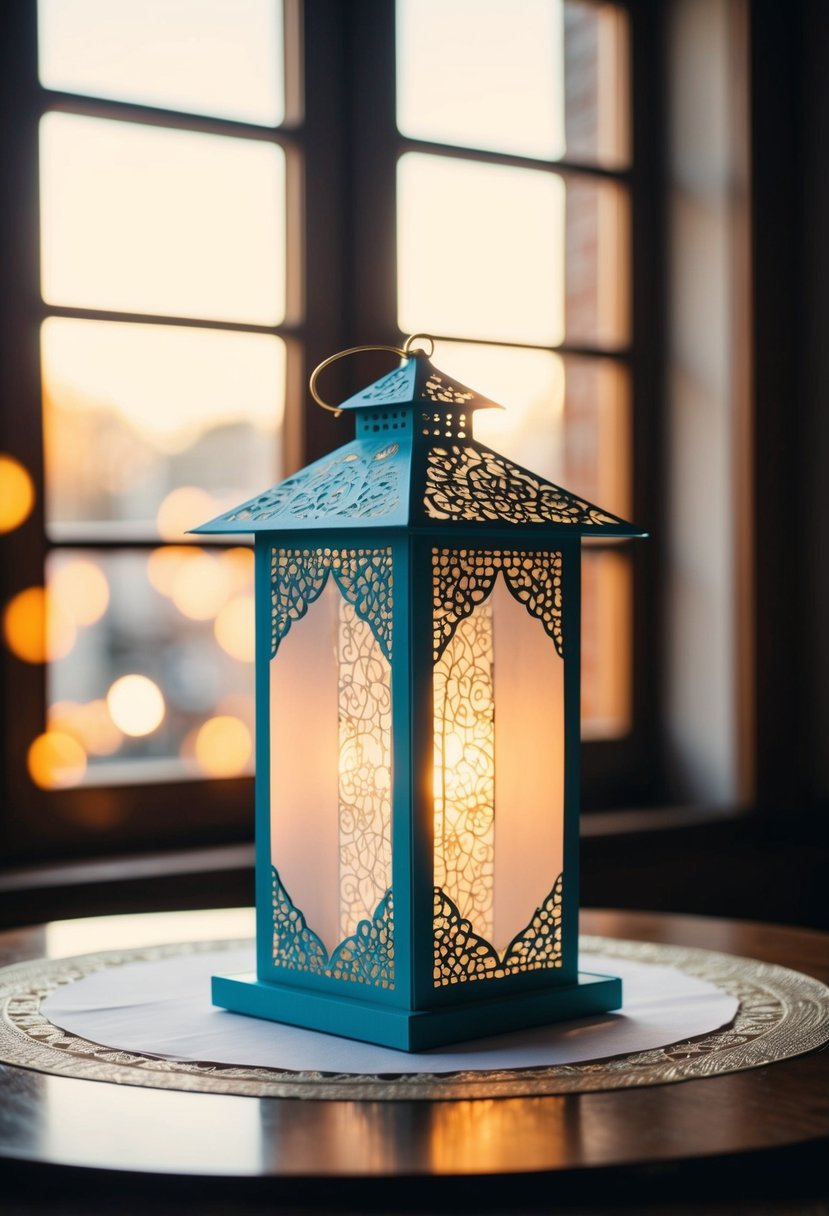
341, 159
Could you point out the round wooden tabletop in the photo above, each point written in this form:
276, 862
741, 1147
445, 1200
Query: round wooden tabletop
760, 1125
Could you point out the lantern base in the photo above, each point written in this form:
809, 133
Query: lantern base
422, 1029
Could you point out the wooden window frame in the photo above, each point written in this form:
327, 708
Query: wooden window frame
343, 190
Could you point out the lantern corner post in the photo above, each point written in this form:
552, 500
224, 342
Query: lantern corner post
263, 548
571, 555
422, 751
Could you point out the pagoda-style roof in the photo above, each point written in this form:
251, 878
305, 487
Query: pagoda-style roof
414, 463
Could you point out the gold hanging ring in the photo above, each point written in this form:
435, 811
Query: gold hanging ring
407, 346
352, 350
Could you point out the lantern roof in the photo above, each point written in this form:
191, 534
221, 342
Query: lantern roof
415, 464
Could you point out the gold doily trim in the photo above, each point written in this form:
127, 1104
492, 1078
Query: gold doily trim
782, 1014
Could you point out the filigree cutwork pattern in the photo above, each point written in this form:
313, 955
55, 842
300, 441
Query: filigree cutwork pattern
364, 576
462, 955
464, 768
437, 388
468, 482
351, 485
366, 957
364, 699
294, 945
463, 578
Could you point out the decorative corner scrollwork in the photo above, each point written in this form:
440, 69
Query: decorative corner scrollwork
463, 578
462, 955
364, 576
366, 957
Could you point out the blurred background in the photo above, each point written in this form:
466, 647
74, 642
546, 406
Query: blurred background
612, 218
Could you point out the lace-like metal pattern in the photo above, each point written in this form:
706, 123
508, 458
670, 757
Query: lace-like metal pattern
468, 482
295, 946
462, 955
438, 388
463, 578
351, 485
364, 576
464, 768
366, 957
364, 699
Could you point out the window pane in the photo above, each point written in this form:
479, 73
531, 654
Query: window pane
221, 57
567, 418
480, 250
156, 427
534, 78
142, 219
606, 641
482, 74
486, 251
146, 690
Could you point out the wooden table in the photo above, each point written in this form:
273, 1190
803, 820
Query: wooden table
759, 1137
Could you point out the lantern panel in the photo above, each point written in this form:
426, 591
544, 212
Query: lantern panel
330, 779
498, 763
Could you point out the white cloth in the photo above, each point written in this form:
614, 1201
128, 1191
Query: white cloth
163, 1009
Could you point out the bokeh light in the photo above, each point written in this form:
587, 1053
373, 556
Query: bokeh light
37, 628
56, 760
223, 746
90, 723
81, 588
184, 508
233, 629
17, 494
201, 587
136, 705
164, 564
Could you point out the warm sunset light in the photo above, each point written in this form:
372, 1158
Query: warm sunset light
17, 494
182, 509
80, 586
56, 760
36, 628
234, 629
159, 221
136, 705
200, 587
223, 746
497, 235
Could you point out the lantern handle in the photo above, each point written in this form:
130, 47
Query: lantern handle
404, 352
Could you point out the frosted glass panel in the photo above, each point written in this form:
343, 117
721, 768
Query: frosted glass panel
220, 57
482, 74
499, 754
480, 250
331, 767
154, 429
147, 220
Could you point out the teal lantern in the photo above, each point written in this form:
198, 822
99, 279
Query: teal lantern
417, 685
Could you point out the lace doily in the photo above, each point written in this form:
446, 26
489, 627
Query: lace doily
782, 1013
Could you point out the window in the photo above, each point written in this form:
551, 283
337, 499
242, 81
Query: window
206, 232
